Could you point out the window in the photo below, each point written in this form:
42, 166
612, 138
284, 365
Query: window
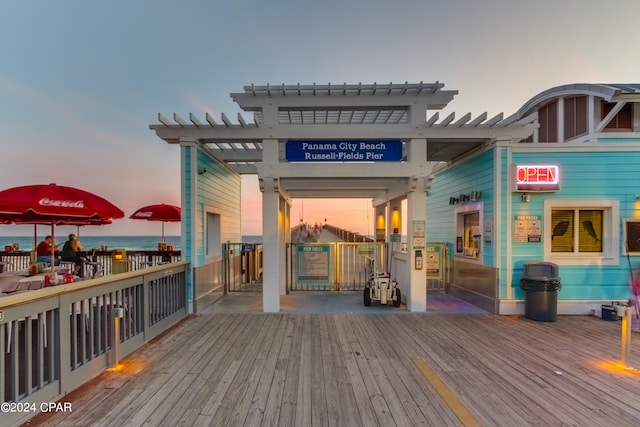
468, 232
581, 232
632, 236
576, 228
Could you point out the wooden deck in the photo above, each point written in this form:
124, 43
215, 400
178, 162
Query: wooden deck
389, 369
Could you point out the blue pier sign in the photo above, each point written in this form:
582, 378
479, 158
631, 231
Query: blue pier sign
383, 150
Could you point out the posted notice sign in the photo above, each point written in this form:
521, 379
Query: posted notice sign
312, 262
527, 229
344, 151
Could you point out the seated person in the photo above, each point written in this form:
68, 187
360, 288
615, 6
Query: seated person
43, 251
72, 252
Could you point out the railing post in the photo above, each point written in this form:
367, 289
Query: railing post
146, 309
116, 315
62, 344
625, 351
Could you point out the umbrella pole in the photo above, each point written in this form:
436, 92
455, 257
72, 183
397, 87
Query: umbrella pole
162, 231
53, 246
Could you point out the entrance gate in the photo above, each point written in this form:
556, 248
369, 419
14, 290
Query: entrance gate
333, 266
242, 267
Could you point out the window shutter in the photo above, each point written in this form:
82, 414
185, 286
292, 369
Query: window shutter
623, 121
548, 118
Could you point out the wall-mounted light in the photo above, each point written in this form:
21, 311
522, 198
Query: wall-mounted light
202, 171
525, 198
395, 221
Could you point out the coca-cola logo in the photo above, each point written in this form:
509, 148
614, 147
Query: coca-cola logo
144, 214
79, 204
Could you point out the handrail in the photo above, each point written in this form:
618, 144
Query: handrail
137, 259
52, 340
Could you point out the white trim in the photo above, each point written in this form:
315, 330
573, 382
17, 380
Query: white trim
610, 239
591, 115
560, 120
509, 245
583, 147
207, 209
514, 307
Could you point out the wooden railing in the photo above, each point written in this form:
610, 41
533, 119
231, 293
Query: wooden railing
54, 339
346, 235
132, 260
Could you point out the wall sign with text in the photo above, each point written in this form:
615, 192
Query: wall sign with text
344, 151
538, 178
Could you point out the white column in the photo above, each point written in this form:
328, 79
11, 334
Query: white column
188, 230
271, 228
417, 287
271, 250
285, 233
417, 211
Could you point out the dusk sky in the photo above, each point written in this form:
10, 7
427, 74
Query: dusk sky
81, 81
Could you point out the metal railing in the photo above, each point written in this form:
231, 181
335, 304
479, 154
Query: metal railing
52, 340
242, 267
349, 266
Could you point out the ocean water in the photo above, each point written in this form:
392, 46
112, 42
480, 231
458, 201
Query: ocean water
112, 242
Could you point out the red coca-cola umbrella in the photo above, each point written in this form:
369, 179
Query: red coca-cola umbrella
159, 212
55, 204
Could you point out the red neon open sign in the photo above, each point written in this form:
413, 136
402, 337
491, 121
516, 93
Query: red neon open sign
537, 178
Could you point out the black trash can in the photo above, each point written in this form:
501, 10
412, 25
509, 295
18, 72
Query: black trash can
541, 282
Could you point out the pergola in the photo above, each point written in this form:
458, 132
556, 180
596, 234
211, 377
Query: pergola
407, 112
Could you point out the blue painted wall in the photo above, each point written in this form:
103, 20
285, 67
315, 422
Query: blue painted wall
476, 174
584, 175
218, 188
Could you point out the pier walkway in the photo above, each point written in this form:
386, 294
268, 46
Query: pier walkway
319, 363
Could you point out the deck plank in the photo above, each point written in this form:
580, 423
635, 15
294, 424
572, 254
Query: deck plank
292, 359
356, 369
258, 406
346, 339
303, 395
344, 397
244, 382
276, 399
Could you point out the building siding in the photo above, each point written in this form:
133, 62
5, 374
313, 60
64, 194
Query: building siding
473, 175
584, 175
218, 189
